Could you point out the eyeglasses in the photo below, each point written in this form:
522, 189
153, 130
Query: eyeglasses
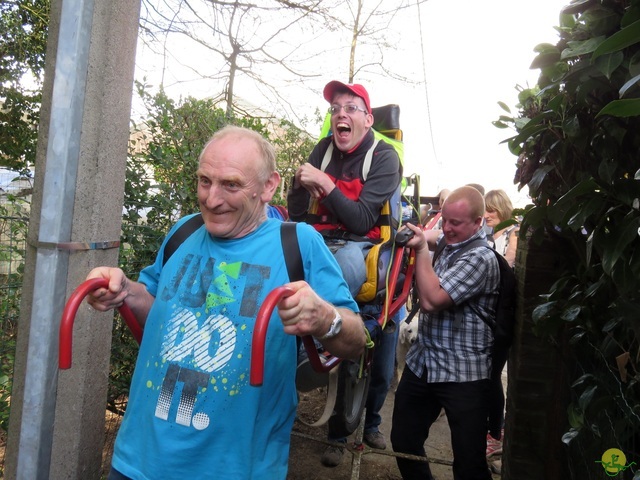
349, 109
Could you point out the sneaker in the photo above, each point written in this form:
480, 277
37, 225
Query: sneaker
494, 447
375, 440
332, 456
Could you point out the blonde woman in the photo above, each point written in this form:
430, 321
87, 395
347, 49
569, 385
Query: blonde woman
499, 208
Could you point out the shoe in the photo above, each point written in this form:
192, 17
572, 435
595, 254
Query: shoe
375, 440
494, 447
332, 456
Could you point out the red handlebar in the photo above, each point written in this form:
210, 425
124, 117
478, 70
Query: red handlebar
256, 374
69, 313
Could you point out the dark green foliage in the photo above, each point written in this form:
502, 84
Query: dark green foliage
578, 144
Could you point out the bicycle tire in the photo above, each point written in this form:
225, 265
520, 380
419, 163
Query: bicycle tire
351, 399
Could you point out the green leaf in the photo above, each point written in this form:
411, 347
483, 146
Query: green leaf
583, 188
505, 107
624, 38
621, 108
586, 397
582, 213
575, 416
581, 47
624, 236
608, 63
539, 176
545, 59
533, 217
634, 64
571, 314
531, 130
628, 85
543, 310
585, 379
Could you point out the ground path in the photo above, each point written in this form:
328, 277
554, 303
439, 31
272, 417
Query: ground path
307, 445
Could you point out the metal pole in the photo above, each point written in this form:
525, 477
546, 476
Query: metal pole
63, 151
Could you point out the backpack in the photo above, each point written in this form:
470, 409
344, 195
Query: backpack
503, 326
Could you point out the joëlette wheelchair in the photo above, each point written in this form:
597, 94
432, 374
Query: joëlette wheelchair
390, 267
389, 263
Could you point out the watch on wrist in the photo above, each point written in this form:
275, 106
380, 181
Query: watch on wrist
334, 329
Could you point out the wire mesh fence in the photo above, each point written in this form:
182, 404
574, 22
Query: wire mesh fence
12, 251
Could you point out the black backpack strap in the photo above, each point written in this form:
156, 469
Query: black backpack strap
180, 235
414, 310
438, 250
291, 250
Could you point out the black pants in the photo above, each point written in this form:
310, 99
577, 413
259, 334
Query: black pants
417, 406
497, 398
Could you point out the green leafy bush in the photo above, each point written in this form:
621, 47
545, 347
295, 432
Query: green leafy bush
577, 141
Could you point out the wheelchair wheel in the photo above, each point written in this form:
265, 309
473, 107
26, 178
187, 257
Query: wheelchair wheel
351, 399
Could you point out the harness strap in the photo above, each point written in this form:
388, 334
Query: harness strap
366, 165
338, 234
291, 249
181, 234
295, 269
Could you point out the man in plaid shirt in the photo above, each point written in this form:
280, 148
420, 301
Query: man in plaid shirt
448, 367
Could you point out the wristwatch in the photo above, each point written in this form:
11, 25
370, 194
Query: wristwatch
334, 329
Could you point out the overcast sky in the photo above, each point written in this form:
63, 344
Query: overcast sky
471, 54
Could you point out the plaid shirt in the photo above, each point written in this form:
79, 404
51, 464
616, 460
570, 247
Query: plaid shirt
458, 351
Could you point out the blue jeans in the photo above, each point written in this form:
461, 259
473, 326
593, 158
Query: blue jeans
382, 369
350, 257
417, 406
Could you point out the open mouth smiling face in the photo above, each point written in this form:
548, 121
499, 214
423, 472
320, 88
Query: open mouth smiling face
343, 129
349, 129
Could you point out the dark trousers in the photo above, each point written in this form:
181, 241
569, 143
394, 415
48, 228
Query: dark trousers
417, 406
496, 406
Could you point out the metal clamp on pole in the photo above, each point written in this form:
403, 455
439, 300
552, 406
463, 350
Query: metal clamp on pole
76, 246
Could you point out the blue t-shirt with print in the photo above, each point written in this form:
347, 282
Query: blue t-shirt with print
191, 411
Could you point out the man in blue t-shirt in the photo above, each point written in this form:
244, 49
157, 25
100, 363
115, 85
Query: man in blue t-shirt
192, 412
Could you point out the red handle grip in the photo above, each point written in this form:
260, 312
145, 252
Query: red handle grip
256, 374
69, 314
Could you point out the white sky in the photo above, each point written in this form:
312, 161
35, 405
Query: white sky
475, 53
474, 56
